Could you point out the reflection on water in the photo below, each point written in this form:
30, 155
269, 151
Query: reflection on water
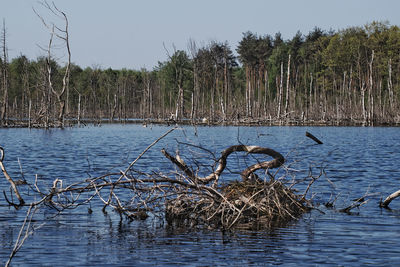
356, 160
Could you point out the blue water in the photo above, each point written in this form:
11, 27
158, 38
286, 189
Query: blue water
356, 161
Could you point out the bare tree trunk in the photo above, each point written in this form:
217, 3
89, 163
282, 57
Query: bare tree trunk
192, 109
364, 112
248, 91
390, 85
287, 89
114, 108
325, 98
212, 104
295, 104
266, 92
370, 96
195, 94
349, 90
79, 109
182, 101
150, 100
344, 96
26, 92
3, 119
337, 99
179, 103
309, 108
222, 109
382, 103
226, 84
259, 101
29, 113
280, 93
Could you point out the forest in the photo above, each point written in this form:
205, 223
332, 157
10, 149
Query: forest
345, 77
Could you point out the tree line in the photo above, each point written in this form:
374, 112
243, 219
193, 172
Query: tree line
350, 76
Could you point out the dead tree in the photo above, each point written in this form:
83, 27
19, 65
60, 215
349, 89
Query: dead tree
178, 64
280, 94
390, 85
63, 35
287, 89
4, 70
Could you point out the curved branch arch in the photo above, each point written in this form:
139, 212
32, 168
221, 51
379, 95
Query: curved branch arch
214, 176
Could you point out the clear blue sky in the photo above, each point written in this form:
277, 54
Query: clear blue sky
130, 33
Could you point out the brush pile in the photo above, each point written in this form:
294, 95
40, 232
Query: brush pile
251, 203
244, 204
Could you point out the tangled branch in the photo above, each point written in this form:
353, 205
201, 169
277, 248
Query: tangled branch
214, 176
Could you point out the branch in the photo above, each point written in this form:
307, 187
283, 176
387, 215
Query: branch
385, 204
7, 176
152, 144
357, 203
309, 135
181, 164
276, 162
21, 235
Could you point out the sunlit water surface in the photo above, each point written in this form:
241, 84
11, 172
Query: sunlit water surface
356, 161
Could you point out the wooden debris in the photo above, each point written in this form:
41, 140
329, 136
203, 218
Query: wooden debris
13, 185
386, 202
214, 176
250, 203
309, 135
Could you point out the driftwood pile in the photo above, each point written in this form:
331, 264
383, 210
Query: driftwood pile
251, 203
244, 204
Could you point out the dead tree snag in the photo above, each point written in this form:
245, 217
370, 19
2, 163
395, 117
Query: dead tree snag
63, 35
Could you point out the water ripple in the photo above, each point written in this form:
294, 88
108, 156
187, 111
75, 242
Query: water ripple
356, 160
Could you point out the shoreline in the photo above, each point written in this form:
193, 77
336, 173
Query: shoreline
17, 123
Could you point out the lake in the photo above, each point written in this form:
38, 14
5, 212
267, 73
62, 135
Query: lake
356, 161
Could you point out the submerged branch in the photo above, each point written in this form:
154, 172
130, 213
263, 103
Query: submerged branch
13, 185
24, 232
390, 198
315, 139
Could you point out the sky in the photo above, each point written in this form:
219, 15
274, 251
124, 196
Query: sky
137, 34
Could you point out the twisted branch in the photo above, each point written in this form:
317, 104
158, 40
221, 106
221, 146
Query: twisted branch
214, 176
